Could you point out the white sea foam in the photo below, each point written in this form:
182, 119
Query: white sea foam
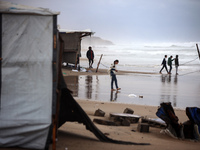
148, 56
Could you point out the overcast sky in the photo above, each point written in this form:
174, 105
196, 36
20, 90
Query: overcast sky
129, 21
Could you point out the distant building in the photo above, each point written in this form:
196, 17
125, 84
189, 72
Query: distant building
70, 43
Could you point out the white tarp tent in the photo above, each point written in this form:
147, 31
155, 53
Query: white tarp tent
27, 90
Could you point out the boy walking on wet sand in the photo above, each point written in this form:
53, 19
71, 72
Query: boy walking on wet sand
113, 71
164, 63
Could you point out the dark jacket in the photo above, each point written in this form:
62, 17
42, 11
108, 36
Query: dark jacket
90, 54
176, 62
170, 61
164, 61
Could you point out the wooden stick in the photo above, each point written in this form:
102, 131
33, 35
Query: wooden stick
99, 63
198, 50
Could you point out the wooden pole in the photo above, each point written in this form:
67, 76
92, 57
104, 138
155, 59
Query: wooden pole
99, 63
198, 50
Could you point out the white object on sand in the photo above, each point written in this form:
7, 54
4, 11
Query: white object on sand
132, 95
83, 70
74, 70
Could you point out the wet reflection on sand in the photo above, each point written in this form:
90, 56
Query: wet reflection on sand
181, 91
112, 99
172, 88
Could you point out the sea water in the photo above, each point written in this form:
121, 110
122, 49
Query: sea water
147, 57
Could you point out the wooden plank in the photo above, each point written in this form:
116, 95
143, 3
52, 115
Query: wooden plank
121, 116
153, 122
124, 115
105, 122
99, 63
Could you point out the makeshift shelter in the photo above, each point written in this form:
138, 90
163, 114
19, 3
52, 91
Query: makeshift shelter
28, 49
71, 44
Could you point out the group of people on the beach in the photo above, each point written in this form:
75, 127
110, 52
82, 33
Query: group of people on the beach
113, 70
169, 62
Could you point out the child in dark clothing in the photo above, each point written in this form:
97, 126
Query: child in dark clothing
113, 71
176, 64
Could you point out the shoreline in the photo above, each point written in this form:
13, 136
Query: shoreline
154, 88
92, 71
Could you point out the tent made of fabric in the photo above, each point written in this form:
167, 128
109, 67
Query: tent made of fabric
28, 44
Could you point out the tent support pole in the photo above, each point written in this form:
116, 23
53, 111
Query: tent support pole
55, 83
0, 55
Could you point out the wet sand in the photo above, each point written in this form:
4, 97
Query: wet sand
141, 88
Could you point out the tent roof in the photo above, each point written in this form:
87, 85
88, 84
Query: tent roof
76, 31
7, 7
87, 32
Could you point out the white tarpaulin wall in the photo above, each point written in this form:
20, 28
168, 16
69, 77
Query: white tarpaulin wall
26, 84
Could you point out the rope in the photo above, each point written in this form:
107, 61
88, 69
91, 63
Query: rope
190, 61
104, 65
189, 73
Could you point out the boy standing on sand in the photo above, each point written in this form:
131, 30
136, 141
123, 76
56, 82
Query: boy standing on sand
113, 71
164, 62
90, 56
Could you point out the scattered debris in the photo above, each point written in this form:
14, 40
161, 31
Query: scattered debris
125, 122
132, 95
128, 111
83, 70
143, 127
119, 116
189, 129
99, 112
105, 122
154, 122
74, 70
133, 130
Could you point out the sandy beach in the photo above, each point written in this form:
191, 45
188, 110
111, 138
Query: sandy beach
74, 136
